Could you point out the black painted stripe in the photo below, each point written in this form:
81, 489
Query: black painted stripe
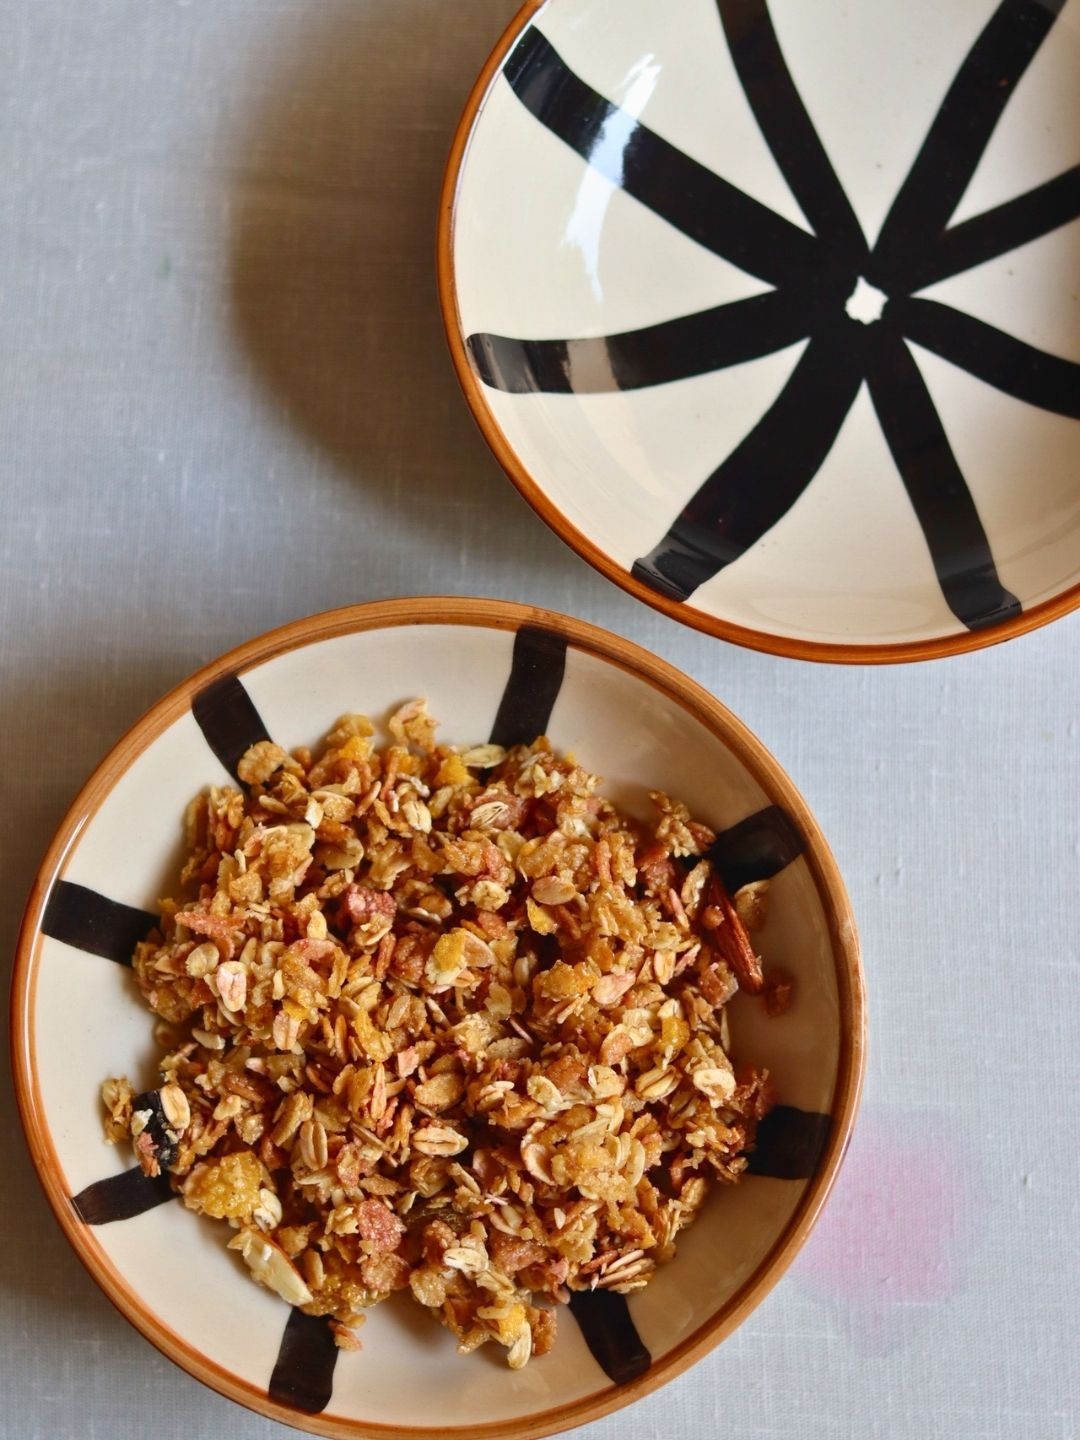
121, 1197
991, 355
958, 136
536, 677
92, 922
997, 231
655, 355
788, 131
227, 717
764, 476
756, 848
790, 1144
303, 1376
610, 1334
943, 504
681, 191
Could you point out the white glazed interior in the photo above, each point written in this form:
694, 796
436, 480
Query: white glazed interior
544, 247
87, 1021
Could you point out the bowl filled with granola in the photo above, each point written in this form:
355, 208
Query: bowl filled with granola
437, 999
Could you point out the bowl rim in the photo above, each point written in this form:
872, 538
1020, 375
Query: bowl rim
834, 652
476, 613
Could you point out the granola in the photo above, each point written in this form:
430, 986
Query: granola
444, 1021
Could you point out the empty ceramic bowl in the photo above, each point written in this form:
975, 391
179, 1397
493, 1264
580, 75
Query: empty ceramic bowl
486, 668
768, 308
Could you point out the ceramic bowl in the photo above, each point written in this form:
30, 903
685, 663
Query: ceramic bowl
486, 668
767, 308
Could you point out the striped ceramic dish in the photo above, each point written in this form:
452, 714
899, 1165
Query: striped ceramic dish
488, 669
767, 308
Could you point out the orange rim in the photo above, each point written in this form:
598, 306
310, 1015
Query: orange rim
886, 654
504, 616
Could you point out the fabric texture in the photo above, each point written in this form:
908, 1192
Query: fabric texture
225, 402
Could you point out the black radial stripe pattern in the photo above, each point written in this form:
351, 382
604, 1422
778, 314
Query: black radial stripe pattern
610, 1333
783, 121
958, 135
991, 355
949, 518
121, 1197
733, 510
673, 350
680, 190
226, 715
995, 232
303, 1375
814, 275
81, 917
536, 676
790, 1144
756, 848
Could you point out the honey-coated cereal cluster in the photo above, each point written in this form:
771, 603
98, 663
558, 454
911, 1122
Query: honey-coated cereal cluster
444, 1022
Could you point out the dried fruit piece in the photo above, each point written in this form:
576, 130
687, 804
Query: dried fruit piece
156, 1141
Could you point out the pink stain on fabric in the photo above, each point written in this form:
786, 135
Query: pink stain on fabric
893, 1240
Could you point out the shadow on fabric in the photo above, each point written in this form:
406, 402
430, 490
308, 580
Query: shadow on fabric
333, 211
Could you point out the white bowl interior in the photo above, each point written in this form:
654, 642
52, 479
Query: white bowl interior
88, 1022
544, 246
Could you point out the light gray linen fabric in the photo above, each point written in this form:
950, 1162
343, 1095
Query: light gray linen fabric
224, 403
